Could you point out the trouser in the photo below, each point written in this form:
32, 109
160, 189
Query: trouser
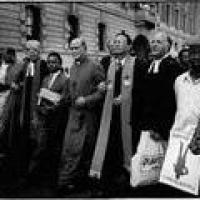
44, 157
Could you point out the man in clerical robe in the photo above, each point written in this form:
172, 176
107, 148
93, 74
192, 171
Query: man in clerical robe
34, 71
81, 130
112, 160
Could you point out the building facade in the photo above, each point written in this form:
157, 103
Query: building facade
55, 24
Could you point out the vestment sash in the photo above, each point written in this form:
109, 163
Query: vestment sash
103, 135
126, 106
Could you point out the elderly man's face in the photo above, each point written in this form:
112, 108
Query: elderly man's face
32, 53
120, 45
77, 48
159, 45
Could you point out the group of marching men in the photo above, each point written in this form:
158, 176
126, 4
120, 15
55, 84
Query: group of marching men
57, 130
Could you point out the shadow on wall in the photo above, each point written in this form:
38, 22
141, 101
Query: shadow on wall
141, 46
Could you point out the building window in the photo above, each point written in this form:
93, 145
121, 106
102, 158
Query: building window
176, 13
123, 5
74, 27
101, 36
191, 26
1, 58
153, 9
184, 22
163, 13
168, 15
135, 6
33, 22
157, 7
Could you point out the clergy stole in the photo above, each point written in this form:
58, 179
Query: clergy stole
103, 135
30, 90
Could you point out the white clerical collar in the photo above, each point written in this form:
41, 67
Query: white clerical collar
123, 61
30, 69
154, 67
120, 61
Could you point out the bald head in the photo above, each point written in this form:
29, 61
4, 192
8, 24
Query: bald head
160, 44
34, 44
33, 49
78, 47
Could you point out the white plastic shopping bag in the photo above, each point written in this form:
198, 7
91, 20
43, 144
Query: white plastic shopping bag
147, 162
181, 168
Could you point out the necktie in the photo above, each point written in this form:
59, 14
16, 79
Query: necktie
118, 75
152, 67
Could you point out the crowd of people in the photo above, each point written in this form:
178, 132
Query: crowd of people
61, 131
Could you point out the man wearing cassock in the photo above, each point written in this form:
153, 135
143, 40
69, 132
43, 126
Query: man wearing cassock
116, 120
34, 71
80, 134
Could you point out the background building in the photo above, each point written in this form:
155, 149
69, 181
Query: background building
55, 24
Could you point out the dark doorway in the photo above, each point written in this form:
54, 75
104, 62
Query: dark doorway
33, 22
101, 36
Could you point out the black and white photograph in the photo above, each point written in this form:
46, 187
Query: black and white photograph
100, 99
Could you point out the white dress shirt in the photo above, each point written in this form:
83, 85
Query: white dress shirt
188, 105
154, 67
3, 72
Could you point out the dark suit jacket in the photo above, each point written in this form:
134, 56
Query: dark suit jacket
156, 101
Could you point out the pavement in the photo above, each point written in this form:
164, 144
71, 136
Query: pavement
152, 191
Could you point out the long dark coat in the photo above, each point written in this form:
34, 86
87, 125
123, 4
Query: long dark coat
82, 126
157, 98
